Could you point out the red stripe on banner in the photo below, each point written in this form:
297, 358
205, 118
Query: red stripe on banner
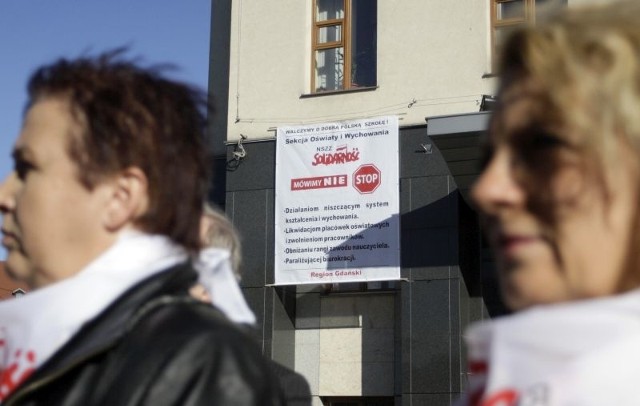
319, 182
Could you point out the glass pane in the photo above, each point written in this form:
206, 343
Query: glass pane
501, 34
363, 43
329, 69
331, 33
510, 9
329, 9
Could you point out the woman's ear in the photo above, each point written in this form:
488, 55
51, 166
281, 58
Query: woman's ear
128, 198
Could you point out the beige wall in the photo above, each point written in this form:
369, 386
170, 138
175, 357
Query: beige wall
435, 52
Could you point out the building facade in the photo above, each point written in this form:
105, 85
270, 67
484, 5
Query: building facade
430, 63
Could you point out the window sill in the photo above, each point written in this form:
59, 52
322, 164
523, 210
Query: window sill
332, 92
489, 75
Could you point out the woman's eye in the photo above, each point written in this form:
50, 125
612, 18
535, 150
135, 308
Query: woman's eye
545, 140
22, 169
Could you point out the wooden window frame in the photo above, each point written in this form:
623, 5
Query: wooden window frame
345, 43
496, 24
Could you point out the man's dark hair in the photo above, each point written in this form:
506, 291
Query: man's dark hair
130, 116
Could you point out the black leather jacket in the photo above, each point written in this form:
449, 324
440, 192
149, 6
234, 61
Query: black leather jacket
154, 346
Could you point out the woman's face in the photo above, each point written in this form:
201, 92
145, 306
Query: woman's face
581, 253
52, 224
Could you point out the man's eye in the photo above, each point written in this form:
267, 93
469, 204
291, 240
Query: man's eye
22, 169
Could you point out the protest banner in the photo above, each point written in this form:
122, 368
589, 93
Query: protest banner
337, 202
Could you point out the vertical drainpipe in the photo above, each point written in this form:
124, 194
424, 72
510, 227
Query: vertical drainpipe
219, 55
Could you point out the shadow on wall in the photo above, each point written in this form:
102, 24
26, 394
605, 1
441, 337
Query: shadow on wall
357, 249
442, 233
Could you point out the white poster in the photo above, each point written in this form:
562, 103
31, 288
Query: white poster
337, 202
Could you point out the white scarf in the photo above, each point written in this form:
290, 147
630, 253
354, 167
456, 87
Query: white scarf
35, 326
214, 267
576, 354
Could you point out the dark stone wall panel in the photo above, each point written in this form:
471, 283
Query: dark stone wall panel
433, 247
414, 159
283, 344
437, 399
251, 214
431, 203
430, 336
256, 170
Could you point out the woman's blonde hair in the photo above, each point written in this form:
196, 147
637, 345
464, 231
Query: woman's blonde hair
586, 60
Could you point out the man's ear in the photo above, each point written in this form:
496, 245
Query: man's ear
128, 198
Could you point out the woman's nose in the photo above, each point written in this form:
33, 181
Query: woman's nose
496, 187
8, 189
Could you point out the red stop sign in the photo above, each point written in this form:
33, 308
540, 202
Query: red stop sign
366, 178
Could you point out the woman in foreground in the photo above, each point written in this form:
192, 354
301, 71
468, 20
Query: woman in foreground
100, 218
558, 196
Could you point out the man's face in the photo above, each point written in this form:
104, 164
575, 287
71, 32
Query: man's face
52, 226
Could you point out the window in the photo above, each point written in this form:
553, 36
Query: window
343, 45
508, 14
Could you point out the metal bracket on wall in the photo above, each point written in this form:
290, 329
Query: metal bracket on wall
239, 152
427, 148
